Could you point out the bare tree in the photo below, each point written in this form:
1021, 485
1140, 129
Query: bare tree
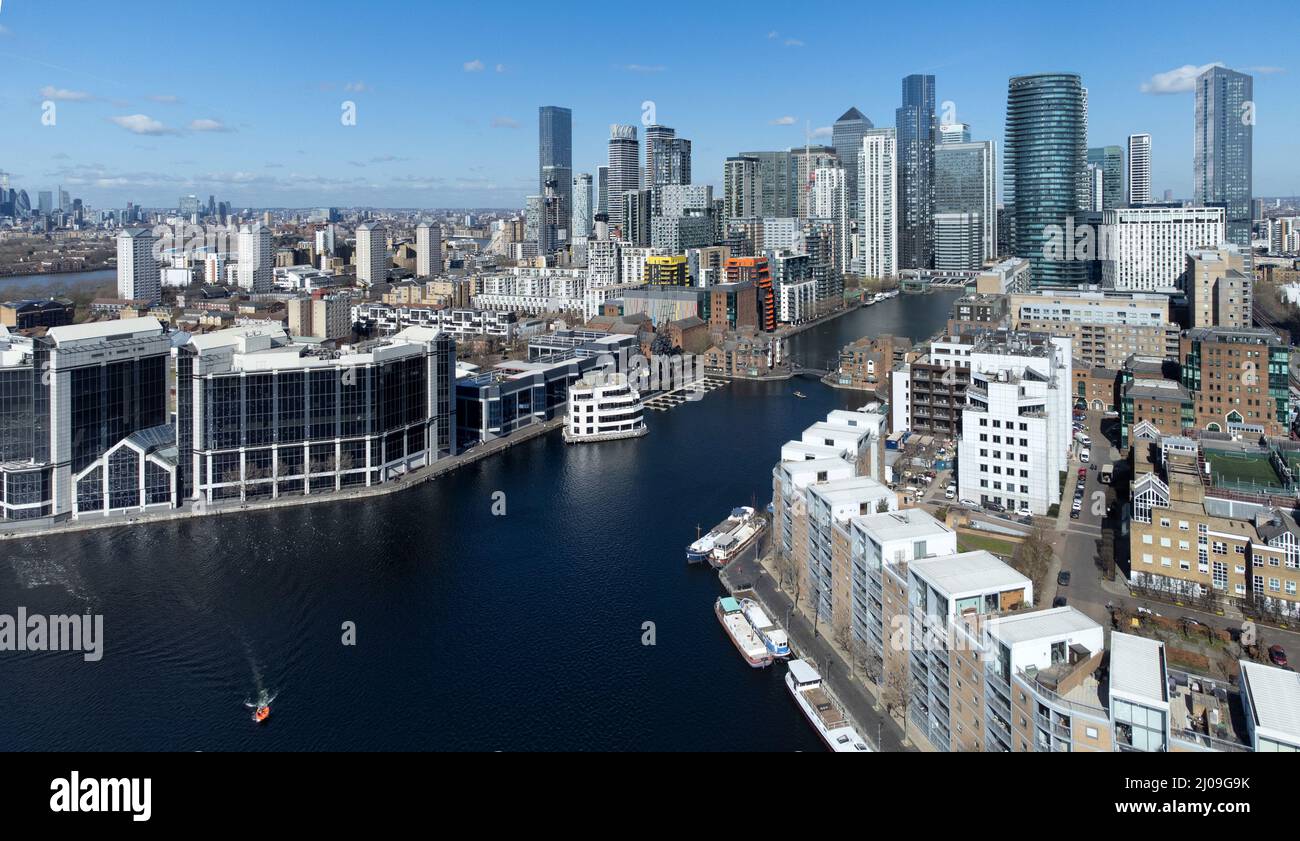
1033, 557
898, 693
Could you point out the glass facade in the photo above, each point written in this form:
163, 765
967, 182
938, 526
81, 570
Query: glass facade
915, 131
1222, 153
16, 395
1045, 172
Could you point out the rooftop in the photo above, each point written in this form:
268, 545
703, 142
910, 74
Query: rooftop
1137, 669
968, 573
1039, 624
1274, 700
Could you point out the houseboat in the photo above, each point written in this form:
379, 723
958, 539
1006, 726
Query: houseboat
778, 644
746, 639
826, 717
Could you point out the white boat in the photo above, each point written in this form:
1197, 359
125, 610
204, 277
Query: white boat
725, 539
778, 644
747, 641
822, 712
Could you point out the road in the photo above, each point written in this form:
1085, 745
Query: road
1076, 544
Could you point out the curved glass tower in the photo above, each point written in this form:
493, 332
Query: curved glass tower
1045, 167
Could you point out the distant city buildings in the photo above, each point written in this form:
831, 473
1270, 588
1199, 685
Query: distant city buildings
1139, 169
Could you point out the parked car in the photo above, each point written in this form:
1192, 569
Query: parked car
949, 494
1063, 578
1059, 601
1146, 611
1085, 455
1074, 515
970, 503
995, 506
1083, 472
1277, 654
1077, 505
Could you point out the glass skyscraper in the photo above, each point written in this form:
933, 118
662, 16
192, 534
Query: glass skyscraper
1110, 159
1225, 123
555, 154
1044, 172
846, 137
965, 175
915, 130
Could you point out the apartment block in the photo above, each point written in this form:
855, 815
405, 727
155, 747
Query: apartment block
1104, 329
1015, 430
1220, 289
1239, 379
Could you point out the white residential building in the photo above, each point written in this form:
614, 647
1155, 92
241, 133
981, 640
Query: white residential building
138, 274
256, 259
830, 200
1139, 169
1144, 249
428, 249
372, 253
878, 200
1016, 433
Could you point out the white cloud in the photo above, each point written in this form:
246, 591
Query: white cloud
501, 68
356, 87
504, 122
64, 95
141, 124
793, 42
782, 121
209, 125
165, 99
474, 66
1179, 80
822, 131
772, 35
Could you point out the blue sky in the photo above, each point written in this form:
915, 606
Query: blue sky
243, 99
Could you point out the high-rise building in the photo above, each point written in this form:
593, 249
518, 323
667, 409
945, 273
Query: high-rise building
138, 275
1109, 160
846, 137
1139, 169
915, 135
830, 201
45, 202
428, 249
954, 133
878, 205
553, 235
256, 259
777, 183
1222, 148
624, 169
583, 213
372, 253
1045, 171
741, 188
555, 149
804, 161
325, 241
965, 182
667, 158
602, 190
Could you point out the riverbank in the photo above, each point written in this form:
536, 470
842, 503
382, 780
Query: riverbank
796, 329
409, 480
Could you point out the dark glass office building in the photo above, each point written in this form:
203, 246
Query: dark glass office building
256, 420
1222, 147
1044, 172
915, 131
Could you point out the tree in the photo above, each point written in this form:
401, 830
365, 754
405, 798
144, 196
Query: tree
1033, 557
898, 693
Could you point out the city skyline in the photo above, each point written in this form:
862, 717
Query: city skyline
148, 132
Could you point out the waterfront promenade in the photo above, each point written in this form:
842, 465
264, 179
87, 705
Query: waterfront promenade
881, 731
409, 480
